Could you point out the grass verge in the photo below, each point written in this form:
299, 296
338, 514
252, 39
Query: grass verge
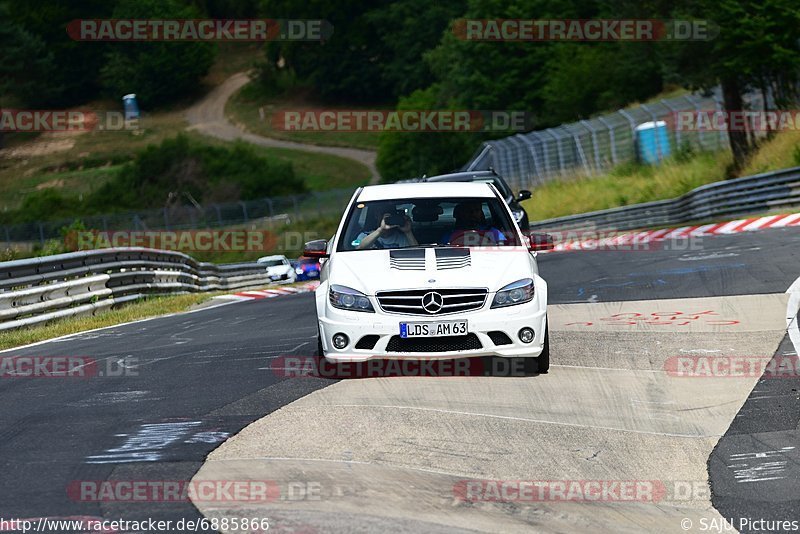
142, 309
626, 184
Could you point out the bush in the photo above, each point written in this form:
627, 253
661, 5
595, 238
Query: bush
178, 171
179, 168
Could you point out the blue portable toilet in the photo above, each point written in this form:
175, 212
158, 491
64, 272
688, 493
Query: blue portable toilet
652, 141
131, 106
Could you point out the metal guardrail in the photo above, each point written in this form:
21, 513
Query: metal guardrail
779, 190
37, 290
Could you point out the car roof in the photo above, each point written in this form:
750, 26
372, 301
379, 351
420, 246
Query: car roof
424, 190
463, 176
276, 257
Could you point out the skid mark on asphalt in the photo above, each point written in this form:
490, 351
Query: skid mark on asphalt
759, 466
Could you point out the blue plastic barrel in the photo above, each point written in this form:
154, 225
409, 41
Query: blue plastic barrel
652, 141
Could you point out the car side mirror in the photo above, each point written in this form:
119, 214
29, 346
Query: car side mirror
540, 242
316, 249
524, 194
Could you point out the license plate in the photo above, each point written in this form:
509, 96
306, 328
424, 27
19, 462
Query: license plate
441, 328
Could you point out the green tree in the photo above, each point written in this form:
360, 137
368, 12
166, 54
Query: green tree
24, 63
158, 72
403, 155
374, 54
409, 29
344, 68
756, 49
63, 72
589, 77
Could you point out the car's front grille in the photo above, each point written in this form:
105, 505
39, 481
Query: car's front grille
434, 344
432, 301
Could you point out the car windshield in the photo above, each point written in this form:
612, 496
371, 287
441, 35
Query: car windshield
406, 223
272, 263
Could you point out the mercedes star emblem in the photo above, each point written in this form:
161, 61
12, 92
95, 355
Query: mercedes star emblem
432, 302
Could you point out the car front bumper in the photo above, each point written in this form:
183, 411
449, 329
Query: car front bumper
356, 325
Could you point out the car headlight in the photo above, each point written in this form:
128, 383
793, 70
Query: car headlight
346, 298
298, 270
516, 293
518, 215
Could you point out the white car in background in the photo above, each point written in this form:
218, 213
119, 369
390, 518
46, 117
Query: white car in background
427, 271
279, 268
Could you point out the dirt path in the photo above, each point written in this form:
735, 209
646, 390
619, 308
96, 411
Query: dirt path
208, 117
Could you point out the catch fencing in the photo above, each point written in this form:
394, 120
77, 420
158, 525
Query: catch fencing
592, 147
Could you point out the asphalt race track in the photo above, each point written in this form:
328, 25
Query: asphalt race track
419, 453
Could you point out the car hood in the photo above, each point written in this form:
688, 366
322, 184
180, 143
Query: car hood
278, 269
370, 271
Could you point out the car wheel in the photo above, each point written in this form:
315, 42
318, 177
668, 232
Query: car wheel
322, 361
540, 364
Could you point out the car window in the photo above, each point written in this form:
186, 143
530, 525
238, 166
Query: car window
461, 221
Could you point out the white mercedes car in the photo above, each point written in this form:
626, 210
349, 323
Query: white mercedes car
279, 268
430, 270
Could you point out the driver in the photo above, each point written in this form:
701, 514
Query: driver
387, 235
471, 226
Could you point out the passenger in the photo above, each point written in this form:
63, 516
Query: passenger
388, 236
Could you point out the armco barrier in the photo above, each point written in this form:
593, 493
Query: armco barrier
761, 193
36, 290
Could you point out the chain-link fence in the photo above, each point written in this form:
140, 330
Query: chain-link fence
590, 147
270, 213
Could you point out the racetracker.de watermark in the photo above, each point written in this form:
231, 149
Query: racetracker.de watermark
49, 120
520, 491
148, 491
313, 367
212, 30
616, 241
592, 30
66, 367
733, 367
715, 120
379, 120
177, 240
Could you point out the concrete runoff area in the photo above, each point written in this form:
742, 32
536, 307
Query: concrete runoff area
400, 453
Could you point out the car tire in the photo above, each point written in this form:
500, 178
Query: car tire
540, 364
320, 352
